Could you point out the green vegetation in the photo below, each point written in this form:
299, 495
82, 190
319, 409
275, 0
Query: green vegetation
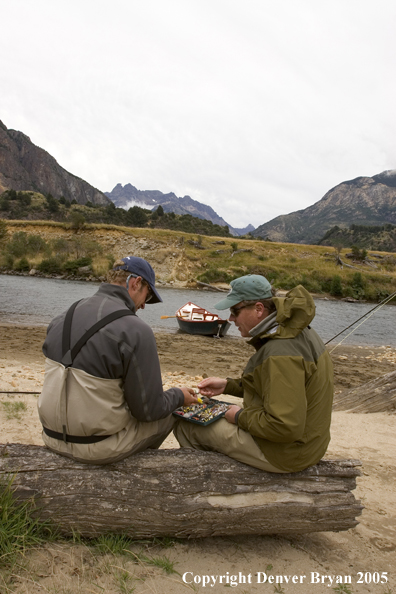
365, 237
34, 206
19, 530
55, 248
14, 409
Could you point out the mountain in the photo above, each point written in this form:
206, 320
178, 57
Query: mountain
25, 166
128, 195
360, 201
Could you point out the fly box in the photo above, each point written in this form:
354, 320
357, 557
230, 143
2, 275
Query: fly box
202, 414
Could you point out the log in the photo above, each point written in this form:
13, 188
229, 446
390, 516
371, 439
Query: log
211, 287
378, 395
181, 493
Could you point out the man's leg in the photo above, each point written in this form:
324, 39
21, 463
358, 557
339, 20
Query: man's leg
226, 438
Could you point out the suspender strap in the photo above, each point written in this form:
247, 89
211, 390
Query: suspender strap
68, 354
66, 334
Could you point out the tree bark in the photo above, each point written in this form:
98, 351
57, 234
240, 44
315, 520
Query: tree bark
182, 493
379, 395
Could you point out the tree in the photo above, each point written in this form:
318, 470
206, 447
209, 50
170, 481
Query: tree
3, 231
52, 203
160, 211
336, 286
77, 220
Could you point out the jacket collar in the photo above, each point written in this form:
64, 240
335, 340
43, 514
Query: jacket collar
119, 293
265, 325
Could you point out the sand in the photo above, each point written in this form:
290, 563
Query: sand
360, 557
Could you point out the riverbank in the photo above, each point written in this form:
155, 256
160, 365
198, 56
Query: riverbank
181, 259
369, 548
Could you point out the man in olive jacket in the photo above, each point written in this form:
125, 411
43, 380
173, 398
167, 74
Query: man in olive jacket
287, 385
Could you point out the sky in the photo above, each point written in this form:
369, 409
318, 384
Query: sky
256, 108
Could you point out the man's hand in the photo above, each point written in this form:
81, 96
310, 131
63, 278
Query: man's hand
212, 386
231, 412
190, 397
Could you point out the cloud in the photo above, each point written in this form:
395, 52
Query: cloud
256, 109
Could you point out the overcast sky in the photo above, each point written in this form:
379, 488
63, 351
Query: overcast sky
254, 107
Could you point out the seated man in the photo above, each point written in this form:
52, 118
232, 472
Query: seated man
287, 385
102, 397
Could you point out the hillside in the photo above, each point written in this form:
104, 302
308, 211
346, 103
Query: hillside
34, 206
361, 201
380, 238
25, 166
128, 195
183, 259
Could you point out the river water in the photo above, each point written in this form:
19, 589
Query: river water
35, 301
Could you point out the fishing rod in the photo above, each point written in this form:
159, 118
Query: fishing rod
371, 311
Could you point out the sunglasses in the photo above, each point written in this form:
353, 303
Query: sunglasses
144, 283
235, 310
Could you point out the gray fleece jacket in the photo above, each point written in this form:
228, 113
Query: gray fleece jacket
124, 349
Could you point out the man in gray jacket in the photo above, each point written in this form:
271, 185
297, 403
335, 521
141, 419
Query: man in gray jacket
102, 398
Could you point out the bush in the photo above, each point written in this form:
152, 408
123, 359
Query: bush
22, 266
3, 231
336, 286
50, 266
213, 275
72, 266
36, 244
18, 246
77, 220
52, 203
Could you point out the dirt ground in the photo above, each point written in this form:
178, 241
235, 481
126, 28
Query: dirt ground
364, 558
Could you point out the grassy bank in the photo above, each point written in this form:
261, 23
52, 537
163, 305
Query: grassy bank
184, 258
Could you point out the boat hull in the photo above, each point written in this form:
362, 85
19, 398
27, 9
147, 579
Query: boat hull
204, 328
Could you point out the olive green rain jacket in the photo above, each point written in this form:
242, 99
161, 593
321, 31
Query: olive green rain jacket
287, 386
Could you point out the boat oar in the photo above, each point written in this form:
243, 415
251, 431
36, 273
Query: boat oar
166, 317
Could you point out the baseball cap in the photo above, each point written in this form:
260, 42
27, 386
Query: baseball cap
246, 288
141, 267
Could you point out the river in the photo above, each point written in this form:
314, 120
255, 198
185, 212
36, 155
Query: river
35, 301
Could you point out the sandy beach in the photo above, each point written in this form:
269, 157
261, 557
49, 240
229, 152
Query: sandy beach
364, 558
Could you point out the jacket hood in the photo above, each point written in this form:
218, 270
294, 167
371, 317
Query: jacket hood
294, 312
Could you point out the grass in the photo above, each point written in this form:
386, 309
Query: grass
13, 410
19, 530
285, 265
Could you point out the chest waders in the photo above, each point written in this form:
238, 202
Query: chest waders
68, 356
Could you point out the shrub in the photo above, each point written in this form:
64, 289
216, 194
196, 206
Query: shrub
18, 246
72, 266
77, 220
336, 286
52, 203
22, 266
3, 231
50, 266
36, 244
213, 275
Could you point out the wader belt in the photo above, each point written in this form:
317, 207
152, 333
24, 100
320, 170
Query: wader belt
68, 356
74, 438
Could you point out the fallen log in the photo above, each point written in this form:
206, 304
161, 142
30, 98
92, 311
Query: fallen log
181, 493
211, 287
378, 395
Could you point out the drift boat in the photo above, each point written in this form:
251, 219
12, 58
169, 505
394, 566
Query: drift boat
194, 319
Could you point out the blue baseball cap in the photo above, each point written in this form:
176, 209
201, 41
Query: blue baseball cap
141, 267
246, 288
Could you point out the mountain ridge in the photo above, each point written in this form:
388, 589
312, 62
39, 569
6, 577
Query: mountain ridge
361, 201
26, 166
128, 195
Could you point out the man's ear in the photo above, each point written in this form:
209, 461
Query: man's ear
260, 308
